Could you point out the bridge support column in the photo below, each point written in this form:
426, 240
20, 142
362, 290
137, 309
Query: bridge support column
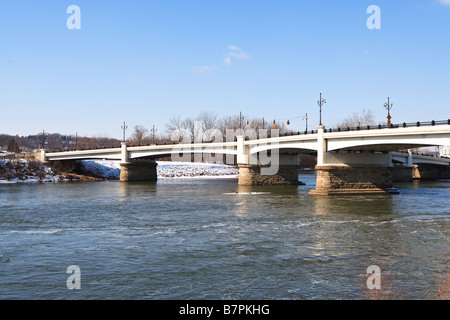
138, 170
43, 156
250, 175
342, 180
402, 173
444, 172
287, 173
340, 173
426, 172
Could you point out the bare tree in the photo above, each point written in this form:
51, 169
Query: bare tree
176, 129
103, 140
208, 120
366, 118
139, 134
189, 128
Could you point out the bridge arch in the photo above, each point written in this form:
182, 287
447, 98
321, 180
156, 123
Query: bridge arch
374, 144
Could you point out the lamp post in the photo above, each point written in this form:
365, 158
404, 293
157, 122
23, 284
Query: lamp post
388, 106
153, 134
124, 128
305, 117
43, 137
320, 102
240, 122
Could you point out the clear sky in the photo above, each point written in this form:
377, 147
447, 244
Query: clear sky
145, 62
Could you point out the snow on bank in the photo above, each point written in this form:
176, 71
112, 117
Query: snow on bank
168, 169
25, 171
165, 169
102, 168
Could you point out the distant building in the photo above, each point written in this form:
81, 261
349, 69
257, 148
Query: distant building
445, 152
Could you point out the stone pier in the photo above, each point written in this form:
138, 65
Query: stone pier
250, 175
340, 180
351, 172
402, 173
138, 170
444, 172
426, 172
260, 169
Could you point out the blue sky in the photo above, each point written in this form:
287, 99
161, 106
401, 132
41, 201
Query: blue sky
145, 62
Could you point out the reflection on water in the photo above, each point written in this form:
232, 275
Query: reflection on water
213, 239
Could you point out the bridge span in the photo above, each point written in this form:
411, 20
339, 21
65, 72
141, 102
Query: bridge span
352, 160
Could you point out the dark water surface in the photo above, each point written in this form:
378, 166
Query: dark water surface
198, 239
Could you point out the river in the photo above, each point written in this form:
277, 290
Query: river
213, 239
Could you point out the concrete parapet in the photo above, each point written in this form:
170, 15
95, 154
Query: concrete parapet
138, 170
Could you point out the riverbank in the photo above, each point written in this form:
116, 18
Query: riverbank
22, 170
31, 171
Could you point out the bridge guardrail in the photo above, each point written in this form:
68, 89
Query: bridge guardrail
391, 126
331, 130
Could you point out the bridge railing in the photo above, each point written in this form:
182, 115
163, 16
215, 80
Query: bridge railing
427, 154
392, 126
306, 132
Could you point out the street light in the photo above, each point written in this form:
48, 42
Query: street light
153, 134
241, 117
124, 128
43, 137
305, 117
320, 102
388, 106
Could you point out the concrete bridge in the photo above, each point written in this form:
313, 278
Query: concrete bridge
351, 160
409, 166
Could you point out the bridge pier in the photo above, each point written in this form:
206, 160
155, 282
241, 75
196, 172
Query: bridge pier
341, 180
340, 173
444, 172
250, 175
282, 171
426, 172
138, 170
402, 173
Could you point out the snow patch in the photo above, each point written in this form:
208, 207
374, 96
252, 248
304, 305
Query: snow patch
165, 169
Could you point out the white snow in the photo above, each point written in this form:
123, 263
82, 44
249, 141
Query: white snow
165, 169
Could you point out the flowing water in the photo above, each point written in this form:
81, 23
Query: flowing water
213, 239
